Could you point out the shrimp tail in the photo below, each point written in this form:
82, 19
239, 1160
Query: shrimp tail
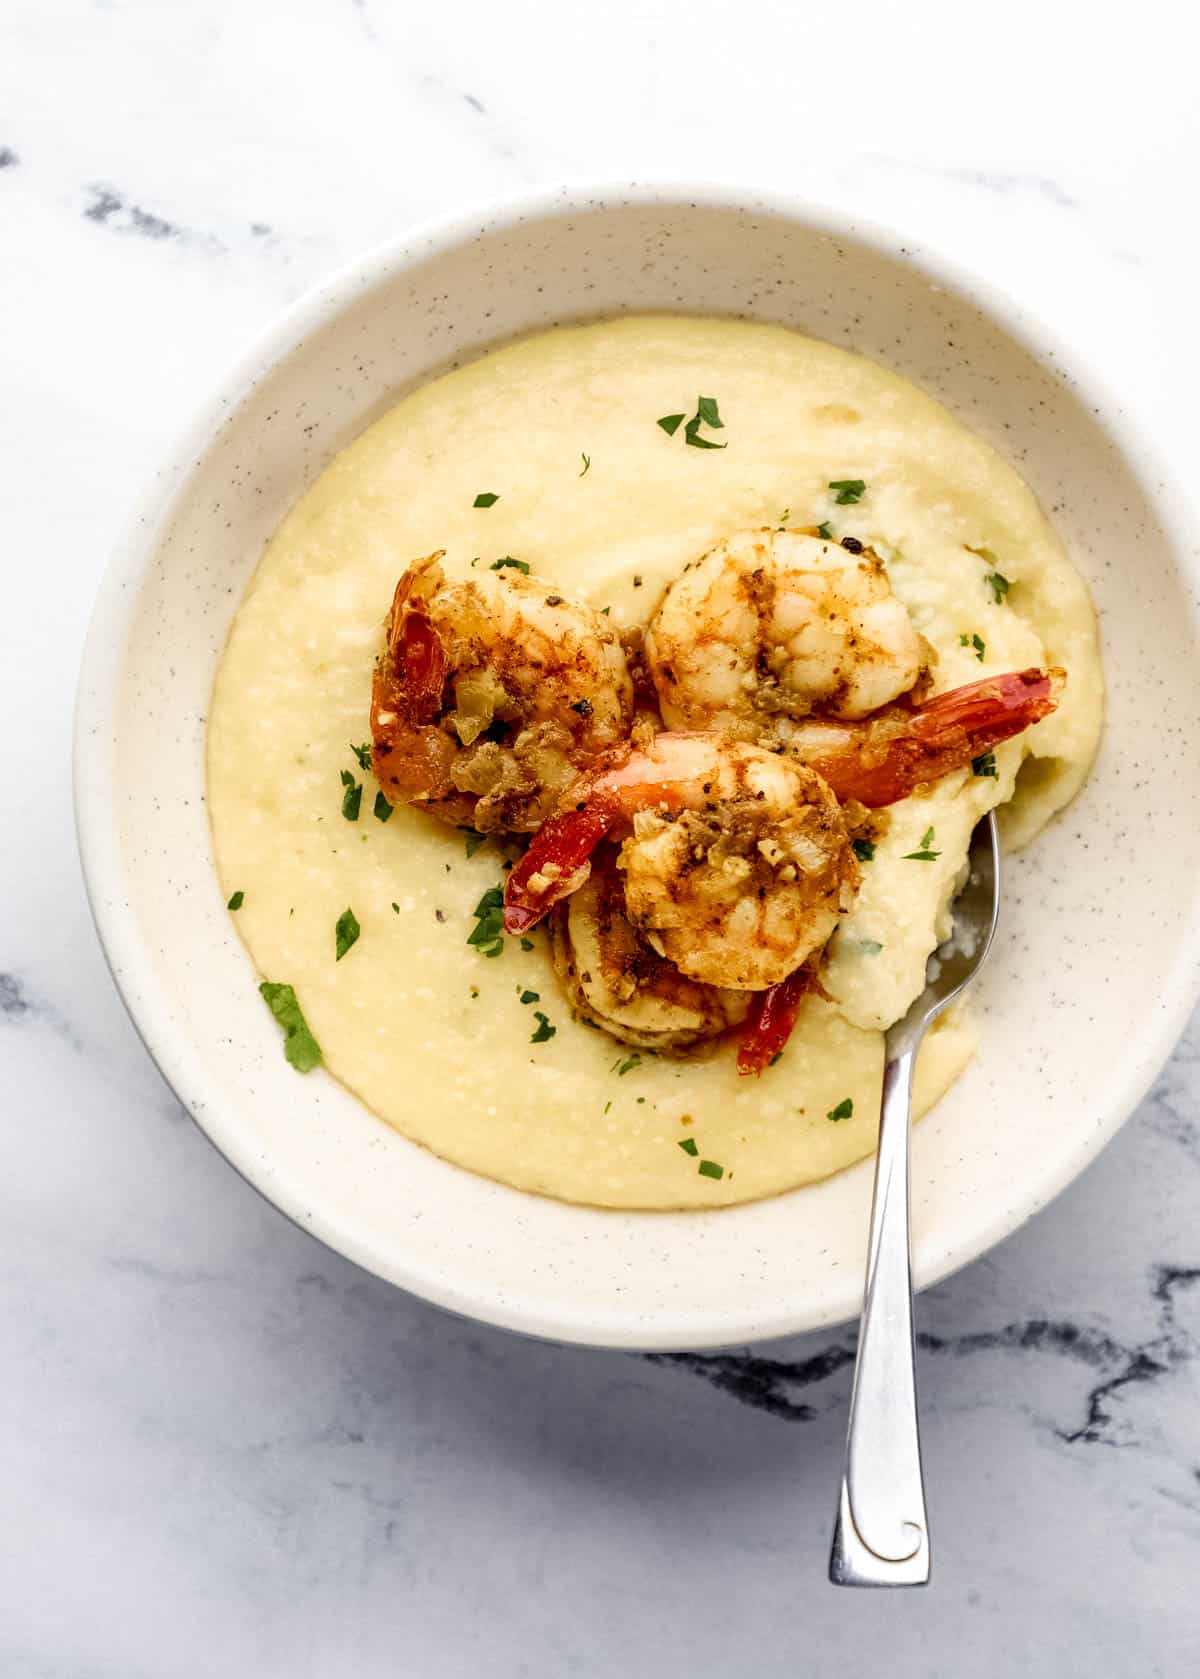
409, 753
887, 759
557, 862
770, 1021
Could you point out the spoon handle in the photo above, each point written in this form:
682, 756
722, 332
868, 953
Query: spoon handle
881, 1536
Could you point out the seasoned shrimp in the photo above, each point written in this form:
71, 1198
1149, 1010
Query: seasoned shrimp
491, 695
887, 757
737, 863
616, 979
772, 625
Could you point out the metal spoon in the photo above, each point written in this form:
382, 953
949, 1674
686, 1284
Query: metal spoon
881, 1536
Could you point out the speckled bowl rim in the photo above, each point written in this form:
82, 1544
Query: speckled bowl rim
117, 603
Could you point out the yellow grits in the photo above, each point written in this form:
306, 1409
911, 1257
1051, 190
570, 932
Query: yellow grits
432, 1035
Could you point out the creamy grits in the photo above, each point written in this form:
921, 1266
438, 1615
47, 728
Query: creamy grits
447, 1044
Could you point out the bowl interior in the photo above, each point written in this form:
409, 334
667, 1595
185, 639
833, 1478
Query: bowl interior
1095, 961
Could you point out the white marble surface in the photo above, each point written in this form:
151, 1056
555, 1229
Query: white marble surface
225, 1450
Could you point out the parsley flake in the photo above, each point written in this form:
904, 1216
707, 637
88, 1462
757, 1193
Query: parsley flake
691, 432
864, 850
474, 839
985, 765
707, 414
688, 1145
544, 1030
626, 1066
849, 490
488, 933
236, 902
587, 462
301, 1048
531, 996
507, 560
487, 499
976, 642
783, 519
824, 531
526, 944
844, 1109
923, 854
346, 933
352, 797
999, 585
363, 754
382, 808
710, 1169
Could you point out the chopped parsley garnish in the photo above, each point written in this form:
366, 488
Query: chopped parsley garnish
778, 1056
824, 531
301, 1048
487, 499
976, 642
236, 902
710, 1169
526, 944
844, 1109
531, 996
507, 560
474, 839
626, 1066
587, 461
352, 797
783, 519
382, 808
985, 765
864, 850
849, 490
707, 414
396, 907
488, 933
544, 1030
924, 854
363, 754
688, 1145
345, 933
999, 585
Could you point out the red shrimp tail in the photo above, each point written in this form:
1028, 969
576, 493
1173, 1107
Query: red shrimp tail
410, 755
945, 734
556, 863
420, 665
770, 1021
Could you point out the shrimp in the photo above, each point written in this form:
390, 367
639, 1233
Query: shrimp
772, 1015
772, 625
491, 695
616, 979
737, 862
887, 757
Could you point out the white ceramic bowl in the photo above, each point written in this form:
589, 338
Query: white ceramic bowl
1096, 964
